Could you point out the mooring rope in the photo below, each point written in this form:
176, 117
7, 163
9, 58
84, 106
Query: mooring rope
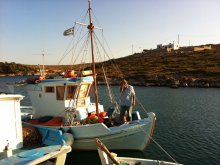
164, 150
141, 105
144, 109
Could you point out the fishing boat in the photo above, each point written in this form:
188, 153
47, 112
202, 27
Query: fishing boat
65, 103
25, 144
108, 157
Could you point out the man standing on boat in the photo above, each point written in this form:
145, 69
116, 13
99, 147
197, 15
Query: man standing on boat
127, 101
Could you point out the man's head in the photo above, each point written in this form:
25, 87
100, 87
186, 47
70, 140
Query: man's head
123, 84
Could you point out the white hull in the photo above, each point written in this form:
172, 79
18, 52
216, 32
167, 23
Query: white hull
133, 161
134, 135
108, 158
131, 136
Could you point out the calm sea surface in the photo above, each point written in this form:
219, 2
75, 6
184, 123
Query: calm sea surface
187, 126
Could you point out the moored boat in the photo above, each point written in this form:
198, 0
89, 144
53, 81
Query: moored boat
65, 104
108, 157
24, 144
134, 135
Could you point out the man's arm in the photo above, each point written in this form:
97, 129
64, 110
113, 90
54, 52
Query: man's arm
133, 95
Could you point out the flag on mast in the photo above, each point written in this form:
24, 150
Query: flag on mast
69, 31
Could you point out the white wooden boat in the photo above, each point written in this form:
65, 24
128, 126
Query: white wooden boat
12, 139
108, 158
134, 135
67, 101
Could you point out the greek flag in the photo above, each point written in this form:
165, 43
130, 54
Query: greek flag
69, 31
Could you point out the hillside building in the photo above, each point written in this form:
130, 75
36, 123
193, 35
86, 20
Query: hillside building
202, 48
168, 47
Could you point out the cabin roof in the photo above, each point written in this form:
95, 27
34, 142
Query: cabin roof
69, 80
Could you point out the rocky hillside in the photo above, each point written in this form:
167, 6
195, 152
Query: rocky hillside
160, 66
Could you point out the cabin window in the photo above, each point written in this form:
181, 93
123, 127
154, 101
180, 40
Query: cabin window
60, 92
84, 88
49, 89
71, 90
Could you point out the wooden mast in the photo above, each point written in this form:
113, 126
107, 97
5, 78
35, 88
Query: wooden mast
91, 31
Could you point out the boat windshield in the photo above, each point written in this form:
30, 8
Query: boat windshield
84, 90
71, 91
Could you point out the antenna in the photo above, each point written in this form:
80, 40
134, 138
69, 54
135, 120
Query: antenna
43, 63
42, 72
132, 49
178, 39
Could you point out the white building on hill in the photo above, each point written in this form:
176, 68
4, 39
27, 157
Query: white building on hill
168, 47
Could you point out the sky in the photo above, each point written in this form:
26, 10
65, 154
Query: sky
28, 27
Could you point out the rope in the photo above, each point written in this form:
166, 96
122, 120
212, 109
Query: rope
164, 151
142, 107
70, 116
159, 146
115, 66
111, 96
72, 42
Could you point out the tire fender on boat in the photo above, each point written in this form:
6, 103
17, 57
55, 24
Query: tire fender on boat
68, 138
36, 81
39, 79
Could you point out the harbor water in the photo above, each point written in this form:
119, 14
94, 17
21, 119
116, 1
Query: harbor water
187, 125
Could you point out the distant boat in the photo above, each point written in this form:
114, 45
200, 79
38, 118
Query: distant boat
64, 103
175, 84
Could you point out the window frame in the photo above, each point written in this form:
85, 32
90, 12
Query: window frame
61, 97
49, 87
84, 93
68, 92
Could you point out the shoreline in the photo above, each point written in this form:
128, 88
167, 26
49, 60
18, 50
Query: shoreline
196, 83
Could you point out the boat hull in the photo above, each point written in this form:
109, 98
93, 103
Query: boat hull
134, 135
144, 161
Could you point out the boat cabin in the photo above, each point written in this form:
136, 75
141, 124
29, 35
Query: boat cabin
53, 97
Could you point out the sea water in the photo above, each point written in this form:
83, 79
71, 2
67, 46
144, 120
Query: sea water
187, 126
